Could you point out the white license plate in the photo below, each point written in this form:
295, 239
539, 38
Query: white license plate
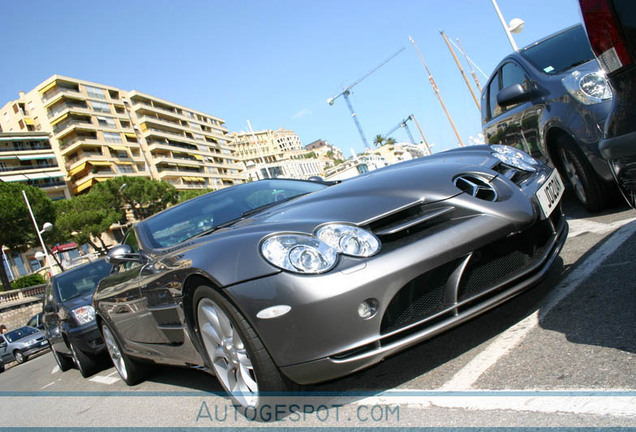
550, 193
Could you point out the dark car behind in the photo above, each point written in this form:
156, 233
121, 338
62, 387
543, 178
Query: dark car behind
611, 27
69, 317
551, 100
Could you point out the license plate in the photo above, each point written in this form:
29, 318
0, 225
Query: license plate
550, 193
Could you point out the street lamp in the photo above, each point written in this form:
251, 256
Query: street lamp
45, 228
515, 26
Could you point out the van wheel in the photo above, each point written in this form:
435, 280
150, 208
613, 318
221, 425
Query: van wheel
580, 176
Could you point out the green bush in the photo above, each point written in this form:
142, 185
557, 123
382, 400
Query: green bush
27, 281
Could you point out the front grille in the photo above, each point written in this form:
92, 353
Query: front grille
422, 297
496, 265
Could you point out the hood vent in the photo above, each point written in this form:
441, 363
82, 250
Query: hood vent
476, 186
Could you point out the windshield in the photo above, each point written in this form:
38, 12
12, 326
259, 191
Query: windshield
561, 52
82, 280
215, 209
15, 335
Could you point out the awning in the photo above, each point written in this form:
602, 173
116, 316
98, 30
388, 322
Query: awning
55, 174
64, 247
37, 176
8, 157
59, 119
28, 121
186, 178
99, 163
144, 127
199, 157
131, 135
124, 163
77, 169
198, 179
20, 138
118, 148
37, 156
85, 185
48, 87
13, 178
188, 165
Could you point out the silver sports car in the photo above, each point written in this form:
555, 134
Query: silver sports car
279, 282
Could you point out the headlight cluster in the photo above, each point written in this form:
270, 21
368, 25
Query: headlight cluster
514, 157
591, 88
302, 253
84, 315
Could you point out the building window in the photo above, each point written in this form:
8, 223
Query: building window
19, 265
101, 107
95, 92
112, 137
107, 122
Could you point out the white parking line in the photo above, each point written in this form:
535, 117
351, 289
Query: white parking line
104, 379
511, 338
56, 369
583, 226
48, 385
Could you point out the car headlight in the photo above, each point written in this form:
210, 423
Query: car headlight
31, 342
299, 253
84, 315
515, 157
349, 240
591, 88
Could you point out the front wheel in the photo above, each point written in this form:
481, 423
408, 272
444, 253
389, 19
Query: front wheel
19, 357
580, 176
131, 371
239, 360
63, 362
86, 364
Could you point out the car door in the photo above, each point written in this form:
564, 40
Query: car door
118, 296
4, 350
514, 124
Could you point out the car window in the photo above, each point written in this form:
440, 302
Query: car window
494, 108
81, 281
560, 52
511, 73
130, 240
18, 334
33, 322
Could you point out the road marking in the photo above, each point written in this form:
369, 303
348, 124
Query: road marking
56, 369
48, 385
529, 401
583, 226
511, 338
113, 373
104, 379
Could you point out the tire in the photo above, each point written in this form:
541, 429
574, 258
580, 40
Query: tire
86, 364
63, 362
131, 371
580, 177
236, 354
1, 366
19, 357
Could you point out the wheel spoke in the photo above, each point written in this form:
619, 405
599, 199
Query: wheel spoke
210, 332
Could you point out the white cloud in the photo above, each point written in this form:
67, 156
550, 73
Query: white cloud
302, 113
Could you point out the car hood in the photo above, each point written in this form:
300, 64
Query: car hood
80, 301
365, 198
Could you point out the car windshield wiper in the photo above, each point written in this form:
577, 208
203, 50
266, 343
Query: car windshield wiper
269, 205
215, 228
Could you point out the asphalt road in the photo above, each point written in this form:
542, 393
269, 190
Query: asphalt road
561, 355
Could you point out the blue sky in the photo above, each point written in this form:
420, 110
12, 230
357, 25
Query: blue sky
276, 62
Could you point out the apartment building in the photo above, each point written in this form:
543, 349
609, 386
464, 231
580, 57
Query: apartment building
99, 132
27, 157
272, 154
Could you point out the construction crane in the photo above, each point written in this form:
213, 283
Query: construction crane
402, 124
347, 92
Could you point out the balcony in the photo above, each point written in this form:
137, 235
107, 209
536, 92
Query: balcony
27, 145
61, 91
59, 109
73, 123
26, 167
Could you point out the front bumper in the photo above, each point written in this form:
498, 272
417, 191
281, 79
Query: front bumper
423, 287
87, 338
35, 348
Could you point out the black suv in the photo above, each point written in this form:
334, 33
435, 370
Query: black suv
69, 317
611, 26
551, 99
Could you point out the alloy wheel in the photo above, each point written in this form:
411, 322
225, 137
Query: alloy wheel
572, 174
227, 352
114, 352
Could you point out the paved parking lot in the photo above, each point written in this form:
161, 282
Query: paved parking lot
560, 355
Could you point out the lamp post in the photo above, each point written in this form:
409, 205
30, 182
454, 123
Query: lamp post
515, 26
45, 228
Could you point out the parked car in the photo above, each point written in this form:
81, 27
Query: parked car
278, 282
69, 317
36, 321
20, 343
611, 29
551, 100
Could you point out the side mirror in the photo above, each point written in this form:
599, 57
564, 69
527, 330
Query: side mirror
120, 254
48, 308
514, 94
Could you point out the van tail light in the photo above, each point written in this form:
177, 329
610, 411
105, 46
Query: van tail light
605, 34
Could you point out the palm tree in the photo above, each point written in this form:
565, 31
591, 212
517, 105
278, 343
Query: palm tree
390, 141
379, 139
